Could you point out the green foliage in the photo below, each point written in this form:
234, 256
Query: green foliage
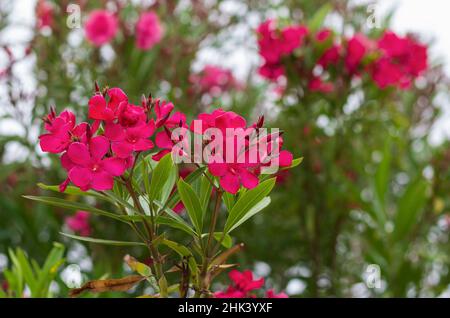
26, 272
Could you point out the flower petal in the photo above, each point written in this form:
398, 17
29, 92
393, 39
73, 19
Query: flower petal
218, 169
81, 177
114, 166
143, 145
230, 183
79, 154
122, 149
162, 140
97, 107
99, 147
101, 180
248, 179
285, 158
114, 132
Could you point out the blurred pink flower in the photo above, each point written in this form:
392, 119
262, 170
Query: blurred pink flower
214, 80
44, 14
402, 60
79, 223
149, 30
101, 27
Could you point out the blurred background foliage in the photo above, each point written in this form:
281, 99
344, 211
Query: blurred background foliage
372, 189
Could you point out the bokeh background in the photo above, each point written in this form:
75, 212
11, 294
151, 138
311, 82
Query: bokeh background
373, 155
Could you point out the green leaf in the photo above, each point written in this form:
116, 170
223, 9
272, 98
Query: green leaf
294, 163
205, 193
247, 201
257, 208
70, 190
102, 241
228, 199
74, 206
193, 176
184, 252
315, 23
410, 207
160, 176
223, 238
191, 203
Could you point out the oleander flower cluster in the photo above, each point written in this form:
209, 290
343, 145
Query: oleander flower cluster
102, 26
244, 285
94, 153
323, 56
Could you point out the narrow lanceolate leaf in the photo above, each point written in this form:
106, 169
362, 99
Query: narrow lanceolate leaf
105, 285
294, 163
102, 241
317, 19
410, 208
192, 204
255, 209
228, 199
224, 239
175, 198
142, 269
71, 190
183, 251
160, 175
205, 192
74, 206
247, 201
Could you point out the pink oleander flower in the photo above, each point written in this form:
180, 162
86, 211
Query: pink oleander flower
62, 130
148, 31
242, 284
79, 223
331, 56
357, 48
102, 109
164, 139
271, 294
125, 141
233, 165
402, 60
162, 111
323, 34
44, 14
101, 27
317, 85
87, 166
214, 80
275, 44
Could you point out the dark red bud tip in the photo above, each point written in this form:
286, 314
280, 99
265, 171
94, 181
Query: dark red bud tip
180, 124
260, 122
96, 87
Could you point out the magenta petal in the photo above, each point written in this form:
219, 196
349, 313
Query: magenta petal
248, 179
122, 149
162, 140
102, 180
143, 145
230, 183
97, 107
53, 144
79, 154
285, 158
114, 132
80, 176
218, 169
66, 162
114, 166
160, 154
99, 147
63, 185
